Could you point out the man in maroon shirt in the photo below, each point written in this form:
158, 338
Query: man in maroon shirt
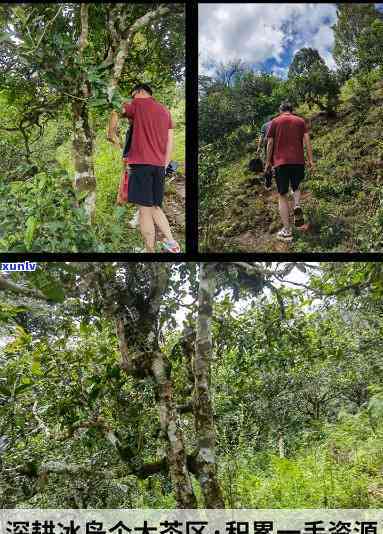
147, 159
286, 136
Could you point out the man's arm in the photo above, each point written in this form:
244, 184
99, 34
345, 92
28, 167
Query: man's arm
306, 141
169, 147
270, 145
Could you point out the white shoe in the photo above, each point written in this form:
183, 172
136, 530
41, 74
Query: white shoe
284, 235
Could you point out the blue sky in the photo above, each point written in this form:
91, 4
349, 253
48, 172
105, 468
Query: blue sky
264, 36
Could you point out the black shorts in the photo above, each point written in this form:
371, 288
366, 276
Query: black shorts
146, 184
289, 174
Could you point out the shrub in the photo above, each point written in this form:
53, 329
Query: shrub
41, 214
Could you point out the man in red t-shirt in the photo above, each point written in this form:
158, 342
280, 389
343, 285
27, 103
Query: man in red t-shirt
286, 136
147, 159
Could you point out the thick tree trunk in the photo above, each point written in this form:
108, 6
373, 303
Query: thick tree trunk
203, 412
281, 446
84, 179
171, 430
142, 357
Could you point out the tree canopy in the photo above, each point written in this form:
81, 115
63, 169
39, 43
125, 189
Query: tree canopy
355, 22
184, 385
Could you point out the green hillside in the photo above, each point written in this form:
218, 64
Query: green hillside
342, 199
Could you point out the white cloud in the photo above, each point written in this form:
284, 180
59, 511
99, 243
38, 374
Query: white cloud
257, 32
323, 41
281, 72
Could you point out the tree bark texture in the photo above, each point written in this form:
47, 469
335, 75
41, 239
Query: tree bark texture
203, 411
138, 331
83, 147
84, 179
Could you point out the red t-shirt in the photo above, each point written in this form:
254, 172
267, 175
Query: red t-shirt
287, 131
151, 122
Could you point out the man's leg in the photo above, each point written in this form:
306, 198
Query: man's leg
282, 179
295, 183
284, 211
297, 197
162, 222
140, 193
147, 227
159, 217
298, 212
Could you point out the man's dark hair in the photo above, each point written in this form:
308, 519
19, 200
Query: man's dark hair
142, 87
286, 106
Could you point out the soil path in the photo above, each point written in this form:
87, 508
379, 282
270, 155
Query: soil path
174, 205
261, 236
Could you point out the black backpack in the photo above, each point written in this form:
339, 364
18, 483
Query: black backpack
128, 141
171, 168
256, 165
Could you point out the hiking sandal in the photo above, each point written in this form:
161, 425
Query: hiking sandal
170, 246
284, 235
298, 216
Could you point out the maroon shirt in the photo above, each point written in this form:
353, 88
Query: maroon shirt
287, 131
151, 122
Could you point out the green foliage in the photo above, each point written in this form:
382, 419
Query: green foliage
359, 90
304, 60
31, 224
340, 471
311, 81
296, 383
44, 72
369, 45
355, 35
8, 312
213, 158
225, 108
344, 198
41, 214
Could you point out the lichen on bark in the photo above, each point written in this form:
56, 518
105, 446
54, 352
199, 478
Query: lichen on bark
138, 329
202, 405
84, 179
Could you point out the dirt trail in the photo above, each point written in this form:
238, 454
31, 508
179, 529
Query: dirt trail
174, 205
258, 211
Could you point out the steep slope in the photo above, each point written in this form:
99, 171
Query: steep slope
342, 198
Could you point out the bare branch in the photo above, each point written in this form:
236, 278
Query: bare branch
49, 23
122, 52
7, 285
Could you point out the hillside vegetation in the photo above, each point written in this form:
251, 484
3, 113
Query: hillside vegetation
287, 399
342, 197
